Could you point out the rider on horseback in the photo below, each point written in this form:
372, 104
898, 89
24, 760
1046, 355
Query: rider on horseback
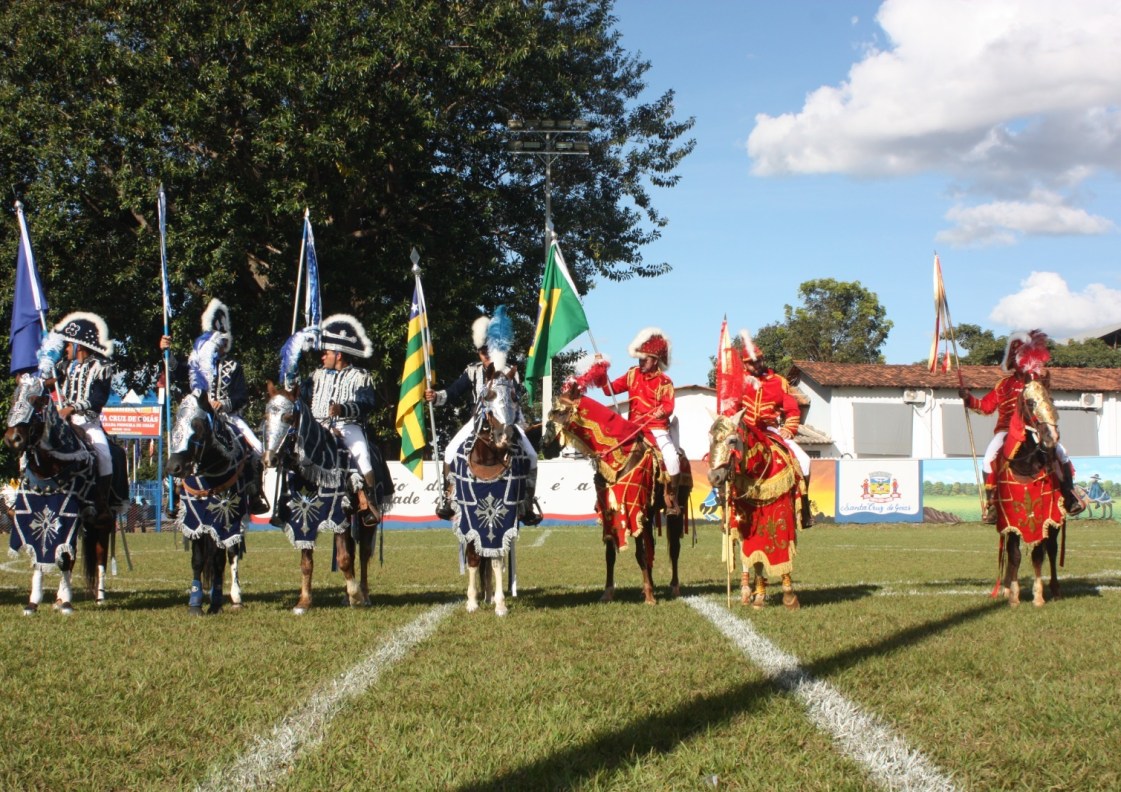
341, 397
226, 391
769, 403
1025, 355
651, 402
473, 381
86, 380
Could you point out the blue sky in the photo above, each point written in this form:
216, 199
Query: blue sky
851, 140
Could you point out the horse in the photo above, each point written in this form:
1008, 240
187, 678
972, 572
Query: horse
208, 456
628, 471
320, 493
57, 496
489, 480
764, 490
1029, 503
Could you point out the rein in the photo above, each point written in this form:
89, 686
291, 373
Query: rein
225, 485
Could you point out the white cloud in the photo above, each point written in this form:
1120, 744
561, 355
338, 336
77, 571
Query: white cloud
1001, 222
1068, 313
958, 75
1005, 96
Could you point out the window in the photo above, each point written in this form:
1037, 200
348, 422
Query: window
882, 429
955, 437
1078, 432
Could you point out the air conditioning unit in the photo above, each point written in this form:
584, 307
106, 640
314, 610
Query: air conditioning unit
1090, 401
914, 396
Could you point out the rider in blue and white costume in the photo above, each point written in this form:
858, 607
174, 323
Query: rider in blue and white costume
341, 397
227, 391
85, 384
489, 336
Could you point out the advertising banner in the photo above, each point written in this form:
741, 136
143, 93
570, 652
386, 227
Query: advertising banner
124, 421
879, 490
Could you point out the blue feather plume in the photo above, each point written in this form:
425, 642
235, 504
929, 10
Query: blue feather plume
203, 361
500, 337
50, 352
290, 355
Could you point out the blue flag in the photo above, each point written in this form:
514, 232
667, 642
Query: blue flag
313, 303
29, 305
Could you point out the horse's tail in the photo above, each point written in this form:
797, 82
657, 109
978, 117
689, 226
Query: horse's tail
213, 562
95, 546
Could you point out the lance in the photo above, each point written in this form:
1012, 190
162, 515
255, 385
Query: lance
166, 292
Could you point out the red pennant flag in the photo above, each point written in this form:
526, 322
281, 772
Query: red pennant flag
729, 375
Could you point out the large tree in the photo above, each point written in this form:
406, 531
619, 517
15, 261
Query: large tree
838, 321
385, 118
978, 347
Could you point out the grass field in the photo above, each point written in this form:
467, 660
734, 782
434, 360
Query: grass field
898, 671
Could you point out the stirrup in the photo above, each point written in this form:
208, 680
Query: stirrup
445, 510
530, 514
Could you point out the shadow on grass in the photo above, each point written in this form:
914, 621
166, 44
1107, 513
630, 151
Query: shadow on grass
576, 765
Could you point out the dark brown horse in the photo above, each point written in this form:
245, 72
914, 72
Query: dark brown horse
57, 496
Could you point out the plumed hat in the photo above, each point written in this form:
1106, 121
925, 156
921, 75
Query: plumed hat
591, 371
751, 350
500, 337
1032, 354
651, 342
216, 319
88, 330
1015, 341
344, 333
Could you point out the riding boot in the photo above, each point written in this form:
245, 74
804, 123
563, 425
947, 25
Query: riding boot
989, 515
371, 511
1071, 502
254, 490
672, 506
528, 511
445, 508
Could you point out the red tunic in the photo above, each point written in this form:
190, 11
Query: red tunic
1002, 399
767, 401
648, 391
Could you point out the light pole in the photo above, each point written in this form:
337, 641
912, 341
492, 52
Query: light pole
548, 139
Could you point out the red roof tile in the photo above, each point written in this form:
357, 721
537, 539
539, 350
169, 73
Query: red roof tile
875, 375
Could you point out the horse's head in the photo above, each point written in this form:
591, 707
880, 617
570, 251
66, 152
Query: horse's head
724, 444
1038, 412
500, 412
25, 418
553, 436
280, 420
191, 434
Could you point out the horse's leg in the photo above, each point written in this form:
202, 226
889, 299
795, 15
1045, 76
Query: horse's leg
789, 598
499, 595
1037, 554
95, 553
472, 579
675, 529
1052, 545
644, 554
344, 554
234, 559
759, 598
217, 577
63, 600
368, 535
36, 595
1012, 569
609, 555
307, 565
198, 557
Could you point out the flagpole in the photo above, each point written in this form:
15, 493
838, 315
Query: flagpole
300, 272
165, 288
425, 343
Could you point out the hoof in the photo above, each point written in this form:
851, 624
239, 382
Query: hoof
1055, 593
500, 609
472, 606
235, 606
30, 609
213, 610
790, 601
675, 590
608, 594
101, 599
758, 601
1014, 594
745, 595
299, 610
65, 608
1037, 594
648, 597
194, 610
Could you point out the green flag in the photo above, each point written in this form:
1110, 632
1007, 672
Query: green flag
560, 317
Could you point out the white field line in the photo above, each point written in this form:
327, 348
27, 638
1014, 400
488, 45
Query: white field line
270, 759
873, 744
540, 541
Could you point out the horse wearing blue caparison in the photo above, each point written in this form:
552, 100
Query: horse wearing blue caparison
318, 484
56, 500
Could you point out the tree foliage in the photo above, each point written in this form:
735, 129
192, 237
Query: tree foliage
838, 322
384, 118
983, 348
